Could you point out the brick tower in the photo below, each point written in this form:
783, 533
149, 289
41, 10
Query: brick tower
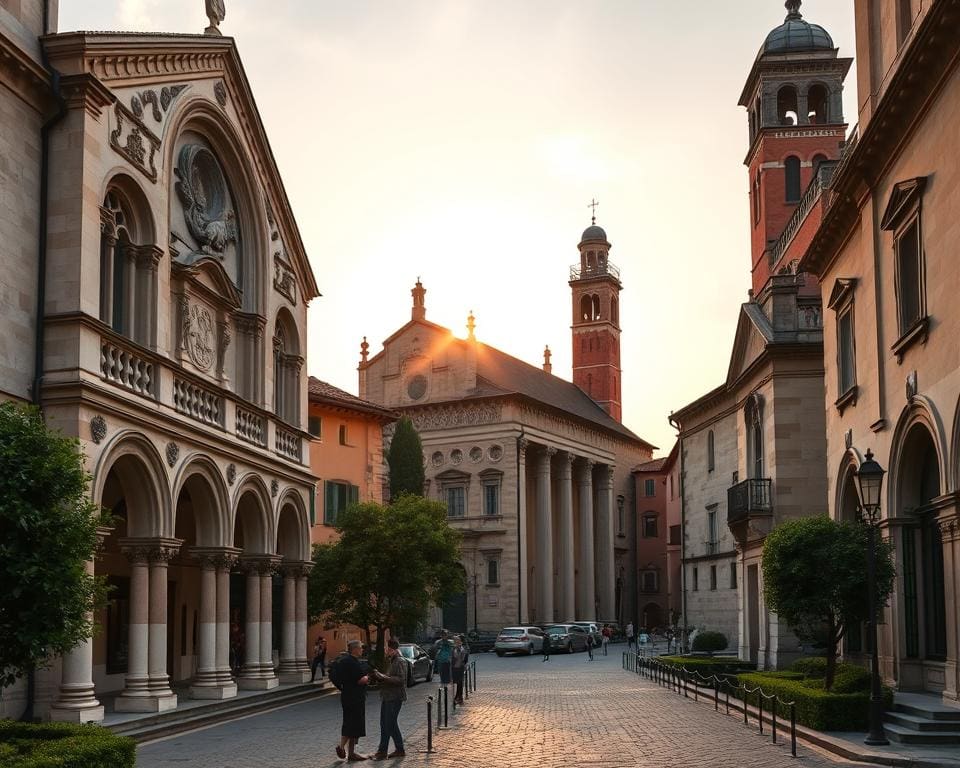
793, 97
595, 290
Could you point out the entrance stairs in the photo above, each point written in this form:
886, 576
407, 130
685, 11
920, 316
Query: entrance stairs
192, 714
922, 719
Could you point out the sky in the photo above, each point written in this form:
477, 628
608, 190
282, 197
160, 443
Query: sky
460, 141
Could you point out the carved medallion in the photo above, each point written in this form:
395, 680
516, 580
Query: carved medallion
231, 474
456, 456
173, 453
495, 452
98, 428
274, 487
437, 459
203, 192
199, 336
417, 387
134, 141
220, 91
476, 454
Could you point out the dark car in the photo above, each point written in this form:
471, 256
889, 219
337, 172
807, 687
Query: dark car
566, 637
418, 663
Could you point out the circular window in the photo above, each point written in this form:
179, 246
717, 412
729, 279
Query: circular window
476, 454
417, 387
456, 455
437, 458
495, 452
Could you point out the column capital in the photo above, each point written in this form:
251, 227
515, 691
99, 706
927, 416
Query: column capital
103, 531
265, 565
606, 477
549, 451
566, 466
949, 527
150, 550
522, 445
296, 568
586, 471
217, 557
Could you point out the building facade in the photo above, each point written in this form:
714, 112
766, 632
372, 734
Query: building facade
534, 473
160, 318
885, 252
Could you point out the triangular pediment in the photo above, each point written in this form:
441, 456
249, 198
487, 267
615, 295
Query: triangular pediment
903, 197
750, 342
209, 279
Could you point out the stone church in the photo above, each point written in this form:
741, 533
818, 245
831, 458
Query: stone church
156, 293
534, 470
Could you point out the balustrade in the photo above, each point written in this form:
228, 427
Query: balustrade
251, 427
127, 368
288, 443
198, 403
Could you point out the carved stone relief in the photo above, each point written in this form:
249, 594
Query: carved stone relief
445, 416
202, 190
134, 141
231, 474
284, 279
495, 453
98, 428
159, 103
220, 92
173, 453
197, 332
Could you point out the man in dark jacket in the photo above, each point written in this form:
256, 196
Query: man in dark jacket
353, 699
393, 692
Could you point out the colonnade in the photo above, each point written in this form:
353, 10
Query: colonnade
584, 558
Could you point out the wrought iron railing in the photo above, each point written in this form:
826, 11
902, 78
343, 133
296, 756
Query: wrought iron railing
579, 272
750, 497
820, 181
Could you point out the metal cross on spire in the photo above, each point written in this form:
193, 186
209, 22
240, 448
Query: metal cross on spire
593, 210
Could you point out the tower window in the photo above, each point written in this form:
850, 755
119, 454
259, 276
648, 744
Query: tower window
710, 451
818, 160
614, 310
586, 307
792, 175
756, 198
787, 105
817, 102
596, 307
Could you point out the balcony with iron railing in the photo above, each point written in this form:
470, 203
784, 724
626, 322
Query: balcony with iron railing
604, 269
749, 498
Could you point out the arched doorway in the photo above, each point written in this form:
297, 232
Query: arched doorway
651, 617
848, 511
454, 609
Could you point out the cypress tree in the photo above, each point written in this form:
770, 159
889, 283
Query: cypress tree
406, 460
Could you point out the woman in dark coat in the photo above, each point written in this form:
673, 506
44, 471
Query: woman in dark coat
353, 699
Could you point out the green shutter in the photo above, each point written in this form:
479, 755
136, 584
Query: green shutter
313, 507
329, 502
354, 495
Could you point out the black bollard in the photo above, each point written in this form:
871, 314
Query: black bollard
466, 682
429, 748
445, 722
439, 707
474, 677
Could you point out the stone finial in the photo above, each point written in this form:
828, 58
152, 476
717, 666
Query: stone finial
793, 10
216, 12
419, 307
547, 365
471, 326
364, 350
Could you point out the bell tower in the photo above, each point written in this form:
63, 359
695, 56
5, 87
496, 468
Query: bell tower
794, 102
595, 292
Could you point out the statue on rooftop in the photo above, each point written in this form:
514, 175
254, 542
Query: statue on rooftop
216, 12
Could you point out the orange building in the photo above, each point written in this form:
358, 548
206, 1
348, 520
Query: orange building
346, 455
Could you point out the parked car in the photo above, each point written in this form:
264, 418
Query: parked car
527, 640
418, 663
567, 637
593, 629
480, 641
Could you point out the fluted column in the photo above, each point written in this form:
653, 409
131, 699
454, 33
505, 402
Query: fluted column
77, 702
566, 559
606, 572
250, 672
213, 680
587, 593
523, 564
544, 535
303, 662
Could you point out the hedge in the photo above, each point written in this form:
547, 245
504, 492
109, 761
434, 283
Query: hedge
63, 745
708, 665
816, 708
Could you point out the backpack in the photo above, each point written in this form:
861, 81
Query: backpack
334, 673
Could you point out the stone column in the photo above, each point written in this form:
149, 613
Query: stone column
290, 669
303, 662
606, 571
587, 584
160, 555
523, 563
135, 696
224, 563
77, 702
566, 559
544, 536
250, 673
213, 680
267, 568
130, 292
950, 535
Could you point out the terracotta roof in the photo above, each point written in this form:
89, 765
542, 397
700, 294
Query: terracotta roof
322, 392
652, 466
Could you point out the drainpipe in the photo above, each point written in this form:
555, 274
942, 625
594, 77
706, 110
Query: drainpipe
683, 540
520, 559
44, 193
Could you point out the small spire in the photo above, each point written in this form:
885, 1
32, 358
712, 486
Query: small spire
471, 326
547, 354
793, 10
419, 307
364, 350
592, 205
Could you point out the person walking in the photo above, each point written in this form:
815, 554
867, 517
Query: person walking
605, 635
458, 664
352, 682
444, 654
546, 646
319, 658
589, 647
393, 692
631, 640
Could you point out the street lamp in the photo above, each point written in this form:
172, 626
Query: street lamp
870, 481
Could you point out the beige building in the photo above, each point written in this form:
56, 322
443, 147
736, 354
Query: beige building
886, 256
534, 472
159, 281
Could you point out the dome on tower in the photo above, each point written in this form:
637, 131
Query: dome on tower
796, 35
593, 232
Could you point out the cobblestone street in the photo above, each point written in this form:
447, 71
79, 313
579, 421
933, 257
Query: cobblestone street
565, 712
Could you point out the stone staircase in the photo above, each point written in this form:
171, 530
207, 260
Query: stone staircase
922, 720
192, 714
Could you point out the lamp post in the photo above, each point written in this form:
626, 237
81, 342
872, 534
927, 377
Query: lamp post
870, 481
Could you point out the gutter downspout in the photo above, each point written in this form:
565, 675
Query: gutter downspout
520, 559
683, 540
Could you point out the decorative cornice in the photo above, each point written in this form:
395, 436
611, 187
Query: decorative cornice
24, 76
86, 91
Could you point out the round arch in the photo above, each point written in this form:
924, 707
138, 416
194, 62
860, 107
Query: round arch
922, 413
252, 517
200, 477
143, 225
846, 499
134, 462
293, 527
286, 328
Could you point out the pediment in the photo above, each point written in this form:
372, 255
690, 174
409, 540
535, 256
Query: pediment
842, 288
209, 279
750, 341
903, 197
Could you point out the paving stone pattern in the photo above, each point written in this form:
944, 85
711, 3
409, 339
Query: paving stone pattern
563, 713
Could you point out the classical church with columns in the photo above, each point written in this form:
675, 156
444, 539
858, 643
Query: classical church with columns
535, 471
164, 303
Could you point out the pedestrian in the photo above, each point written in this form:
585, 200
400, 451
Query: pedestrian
444, 654
353, 698
546, 646
236, 644
458, 664
319, 658
589, 647
393, 692
631, 640
605, 635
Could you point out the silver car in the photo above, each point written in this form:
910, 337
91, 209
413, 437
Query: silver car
567, 637
527, 640
418, 663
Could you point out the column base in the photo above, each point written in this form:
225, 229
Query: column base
294, 676
213, 691
160, 703
81, 714
257, 683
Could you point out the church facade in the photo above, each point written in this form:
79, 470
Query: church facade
535, 471
160, 318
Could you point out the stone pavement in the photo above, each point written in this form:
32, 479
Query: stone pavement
560, 714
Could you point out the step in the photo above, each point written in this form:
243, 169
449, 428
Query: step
929, 711
904, 735
918, 723
183, 720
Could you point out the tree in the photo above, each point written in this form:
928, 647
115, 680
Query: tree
405, 458
815, 578
387, 566
48, 532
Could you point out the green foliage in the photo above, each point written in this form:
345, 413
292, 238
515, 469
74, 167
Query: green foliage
47, 534
816, 708
848, 678
405, 458
815, 578
709, 665
387, 566
709, 642
810, 666
63, 745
